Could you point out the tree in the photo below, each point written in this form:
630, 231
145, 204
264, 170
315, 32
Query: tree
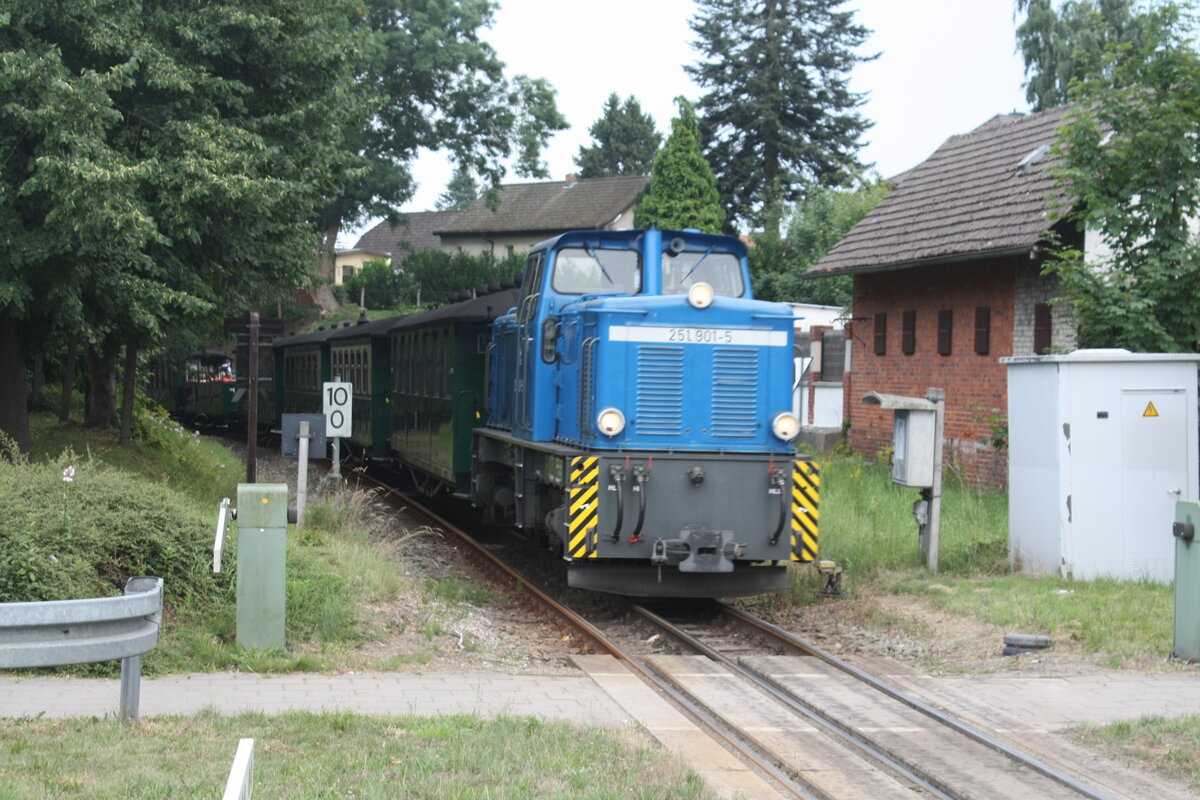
460, 192
437, 86
164, 161
433, 277
1071, 43
626, 140
818, 222
779, 115
683, 190
377, 284
1131, 167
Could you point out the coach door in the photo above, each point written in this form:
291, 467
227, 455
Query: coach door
531, 288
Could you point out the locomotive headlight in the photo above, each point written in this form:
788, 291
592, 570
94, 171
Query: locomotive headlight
610, 422
700, 295
786, 426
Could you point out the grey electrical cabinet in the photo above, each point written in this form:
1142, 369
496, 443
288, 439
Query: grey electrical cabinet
1102, 443
914, 437
912, 447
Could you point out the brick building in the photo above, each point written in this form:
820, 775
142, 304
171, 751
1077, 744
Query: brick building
947, 281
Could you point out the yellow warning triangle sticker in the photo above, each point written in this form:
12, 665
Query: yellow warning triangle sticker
1150, 411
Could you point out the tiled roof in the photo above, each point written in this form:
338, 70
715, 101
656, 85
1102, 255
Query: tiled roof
413, 232
971, 198
550, 206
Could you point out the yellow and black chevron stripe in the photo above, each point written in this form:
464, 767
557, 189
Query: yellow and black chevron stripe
806, 499
583, 507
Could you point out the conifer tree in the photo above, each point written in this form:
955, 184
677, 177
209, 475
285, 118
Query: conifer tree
460, 192
683, 190
625, 141
778, 114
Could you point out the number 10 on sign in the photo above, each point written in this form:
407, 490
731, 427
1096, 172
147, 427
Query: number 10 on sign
337, 408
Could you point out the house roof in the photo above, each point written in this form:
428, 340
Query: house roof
987, 192
582, 204
411, 232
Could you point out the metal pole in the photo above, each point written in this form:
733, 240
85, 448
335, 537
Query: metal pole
131, 686
302, 477
252, 404
336, 468
938, 398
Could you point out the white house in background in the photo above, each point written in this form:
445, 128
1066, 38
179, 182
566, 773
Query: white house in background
809, 314
350, 262
821, 356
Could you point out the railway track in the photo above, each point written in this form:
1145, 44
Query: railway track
815, 726
858, 735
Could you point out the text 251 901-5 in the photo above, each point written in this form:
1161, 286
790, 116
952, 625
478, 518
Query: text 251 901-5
700, 336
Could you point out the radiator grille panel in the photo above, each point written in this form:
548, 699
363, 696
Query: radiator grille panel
735, 392
660, 390
587, 386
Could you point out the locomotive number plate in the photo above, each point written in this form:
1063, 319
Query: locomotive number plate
662, 334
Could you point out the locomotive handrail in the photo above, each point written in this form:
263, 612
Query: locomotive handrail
772, 316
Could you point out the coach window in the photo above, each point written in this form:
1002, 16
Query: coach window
721, 271
585, 270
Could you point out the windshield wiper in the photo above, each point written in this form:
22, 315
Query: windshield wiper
696, 266
592, 253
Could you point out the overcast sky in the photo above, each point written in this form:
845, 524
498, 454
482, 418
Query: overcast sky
944, 67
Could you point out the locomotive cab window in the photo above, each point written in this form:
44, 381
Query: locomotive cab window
721, 271
585, 271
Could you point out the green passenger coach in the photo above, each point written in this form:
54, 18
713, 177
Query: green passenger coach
438, 387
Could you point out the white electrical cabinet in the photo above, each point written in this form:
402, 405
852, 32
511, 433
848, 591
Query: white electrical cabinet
1102, 443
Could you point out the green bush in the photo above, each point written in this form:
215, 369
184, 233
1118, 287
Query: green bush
84, 537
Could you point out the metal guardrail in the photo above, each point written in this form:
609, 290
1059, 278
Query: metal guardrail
240, 785
57, 632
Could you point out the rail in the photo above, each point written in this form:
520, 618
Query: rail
57, 632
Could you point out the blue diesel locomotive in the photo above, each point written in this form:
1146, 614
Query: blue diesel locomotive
639, 418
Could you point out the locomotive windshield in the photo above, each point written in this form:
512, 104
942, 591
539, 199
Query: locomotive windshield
583, 270
721, 271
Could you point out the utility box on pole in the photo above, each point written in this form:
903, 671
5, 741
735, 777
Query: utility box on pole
918, 425
262, 515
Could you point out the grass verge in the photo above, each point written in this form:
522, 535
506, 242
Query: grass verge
302, 755
149, 509
867, 527
1166, 746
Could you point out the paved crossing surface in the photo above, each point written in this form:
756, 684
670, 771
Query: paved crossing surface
604, 693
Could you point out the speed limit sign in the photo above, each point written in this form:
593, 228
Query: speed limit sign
337, 395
